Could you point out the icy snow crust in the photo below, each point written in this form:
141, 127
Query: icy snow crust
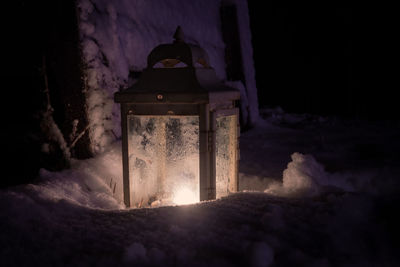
331, 203
117, 37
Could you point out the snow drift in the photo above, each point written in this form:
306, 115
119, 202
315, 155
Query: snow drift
93, 183
306, 218
304, 176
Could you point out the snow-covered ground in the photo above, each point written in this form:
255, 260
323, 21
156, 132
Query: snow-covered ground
314, 192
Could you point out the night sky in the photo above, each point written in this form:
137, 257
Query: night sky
322, 59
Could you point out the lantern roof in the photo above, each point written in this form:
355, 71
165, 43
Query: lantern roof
180, 73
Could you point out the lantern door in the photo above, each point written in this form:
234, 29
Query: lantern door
163, 153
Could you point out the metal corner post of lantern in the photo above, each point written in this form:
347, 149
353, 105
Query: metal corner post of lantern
179, 130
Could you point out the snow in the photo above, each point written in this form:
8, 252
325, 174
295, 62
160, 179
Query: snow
314, 192
262, 255
305, 176
135, 252
116, 38
247, 57
93, 183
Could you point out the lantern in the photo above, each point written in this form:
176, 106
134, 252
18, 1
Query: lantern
180, 130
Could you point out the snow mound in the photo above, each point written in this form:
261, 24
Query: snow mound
74, 187
304, 173
305, 176
94, 183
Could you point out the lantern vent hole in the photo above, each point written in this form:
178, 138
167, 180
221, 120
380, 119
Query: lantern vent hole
201, 63
170, 63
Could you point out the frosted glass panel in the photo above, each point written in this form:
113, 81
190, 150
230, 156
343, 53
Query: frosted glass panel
226, 149
163, 159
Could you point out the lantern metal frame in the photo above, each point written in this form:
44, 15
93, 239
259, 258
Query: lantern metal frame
184, 91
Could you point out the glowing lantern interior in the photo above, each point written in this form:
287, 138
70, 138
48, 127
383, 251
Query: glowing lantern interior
163, 159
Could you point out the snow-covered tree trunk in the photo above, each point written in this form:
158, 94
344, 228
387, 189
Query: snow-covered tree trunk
117, 37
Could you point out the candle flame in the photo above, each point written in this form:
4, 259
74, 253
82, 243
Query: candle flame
184, 196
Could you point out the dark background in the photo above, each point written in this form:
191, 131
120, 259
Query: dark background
325, 60
35, 32
309, 59
318, 59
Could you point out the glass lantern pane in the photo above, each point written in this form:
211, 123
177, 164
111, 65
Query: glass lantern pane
163, 159
226, 150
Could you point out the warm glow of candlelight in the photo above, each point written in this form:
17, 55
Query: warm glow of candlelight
184, 196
